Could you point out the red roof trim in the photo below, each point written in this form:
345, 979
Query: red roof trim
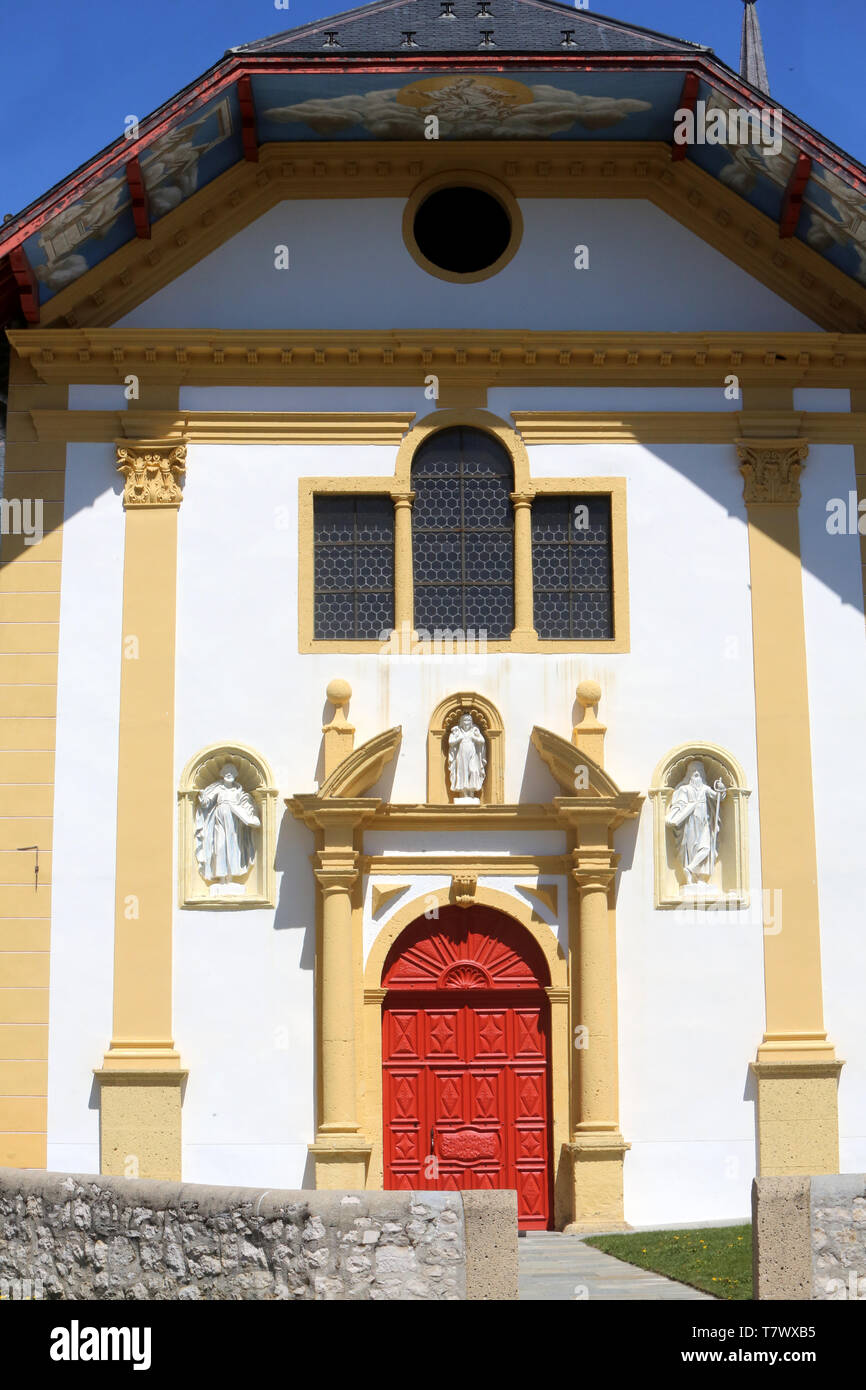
224, 74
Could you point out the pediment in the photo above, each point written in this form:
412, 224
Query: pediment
564, 762
108, 289
363, 767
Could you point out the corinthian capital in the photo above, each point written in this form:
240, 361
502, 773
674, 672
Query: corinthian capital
771, 469
151, 474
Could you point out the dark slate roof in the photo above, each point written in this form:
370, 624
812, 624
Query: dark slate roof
513, 26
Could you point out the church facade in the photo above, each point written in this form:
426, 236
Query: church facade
433, 627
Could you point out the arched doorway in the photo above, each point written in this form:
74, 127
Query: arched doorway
466, 1059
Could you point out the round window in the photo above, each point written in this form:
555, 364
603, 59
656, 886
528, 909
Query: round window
462, 232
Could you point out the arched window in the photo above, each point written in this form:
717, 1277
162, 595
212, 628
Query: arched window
463, 534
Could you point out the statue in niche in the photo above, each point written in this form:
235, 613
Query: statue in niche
225, 819
694, 816
467, 760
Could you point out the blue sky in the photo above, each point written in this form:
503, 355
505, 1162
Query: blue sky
70, 72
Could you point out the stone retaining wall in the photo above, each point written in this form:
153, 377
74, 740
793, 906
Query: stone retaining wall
71, 1236
809, 1237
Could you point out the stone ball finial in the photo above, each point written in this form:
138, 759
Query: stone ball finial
339, 692
588, 693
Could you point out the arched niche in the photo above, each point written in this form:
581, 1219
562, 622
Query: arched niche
728, 887
256, 886
446, 714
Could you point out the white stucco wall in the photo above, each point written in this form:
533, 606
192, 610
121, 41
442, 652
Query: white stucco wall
245, 979
349, 268
690, 988
85, 804
833, 602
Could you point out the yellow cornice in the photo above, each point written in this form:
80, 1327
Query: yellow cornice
393, 169
676, 427
427, 817
496, 357
345, 427
223, 427
492, 865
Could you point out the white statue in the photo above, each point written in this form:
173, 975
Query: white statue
467, 759
225, 817
694, 816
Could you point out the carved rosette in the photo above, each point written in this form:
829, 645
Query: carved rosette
771, 469
151, 474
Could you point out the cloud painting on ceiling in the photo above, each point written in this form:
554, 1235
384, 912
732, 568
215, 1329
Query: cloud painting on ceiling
466, 107
179, 161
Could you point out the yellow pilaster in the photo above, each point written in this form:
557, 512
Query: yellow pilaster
796, 1068
523, 610
141, 1077
341, 1151
596, 1145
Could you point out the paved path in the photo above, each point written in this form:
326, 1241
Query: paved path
554, 1266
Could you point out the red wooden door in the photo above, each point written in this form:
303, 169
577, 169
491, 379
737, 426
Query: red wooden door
465, 1052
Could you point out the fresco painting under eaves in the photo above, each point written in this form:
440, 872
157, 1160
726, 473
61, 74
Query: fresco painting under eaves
174, 166
608, 81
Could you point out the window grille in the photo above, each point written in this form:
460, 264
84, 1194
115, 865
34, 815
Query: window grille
463, 535
353, 544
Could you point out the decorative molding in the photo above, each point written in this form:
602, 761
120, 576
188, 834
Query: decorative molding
361, 769
464, 357
151, 474
565, 761
439, 863
381, 897
543, 895
393, 168
771, 470
463, 888
393, 427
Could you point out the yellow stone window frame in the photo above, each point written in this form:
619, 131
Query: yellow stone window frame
404, 640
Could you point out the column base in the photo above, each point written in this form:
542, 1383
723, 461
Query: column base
597, 1182
798, 1117
140, 1121
341, 1162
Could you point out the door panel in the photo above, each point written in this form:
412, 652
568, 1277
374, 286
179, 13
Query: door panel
473, 1075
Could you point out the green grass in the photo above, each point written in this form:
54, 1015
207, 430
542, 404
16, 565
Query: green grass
717, 1259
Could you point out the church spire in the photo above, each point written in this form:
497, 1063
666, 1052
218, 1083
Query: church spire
752, 65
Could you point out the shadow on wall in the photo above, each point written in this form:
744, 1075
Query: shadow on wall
824, 554
296, 903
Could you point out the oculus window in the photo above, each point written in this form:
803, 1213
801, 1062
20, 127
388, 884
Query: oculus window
464, 231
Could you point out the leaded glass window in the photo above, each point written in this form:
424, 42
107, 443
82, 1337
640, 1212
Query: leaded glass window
353, 544
571, 566
463, 535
